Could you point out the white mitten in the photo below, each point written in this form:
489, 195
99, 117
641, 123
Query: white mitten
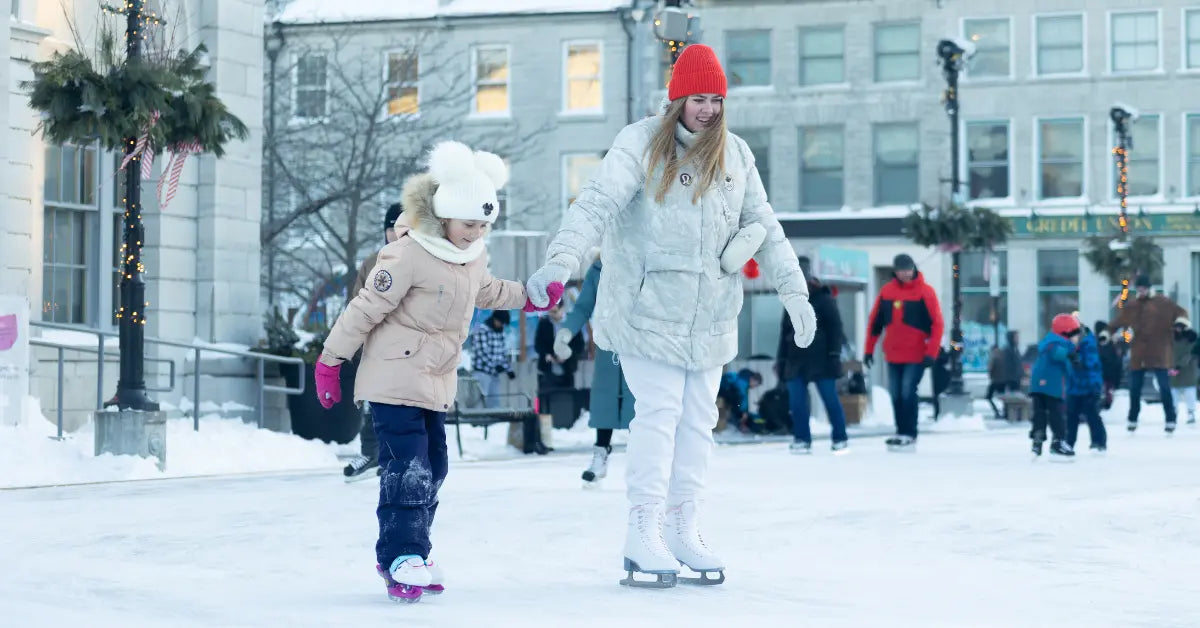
804, 321
562, 344
742, 247
535, 288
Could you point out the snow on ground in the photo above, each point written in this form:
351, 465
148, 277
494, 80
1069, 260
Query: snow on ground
967, 532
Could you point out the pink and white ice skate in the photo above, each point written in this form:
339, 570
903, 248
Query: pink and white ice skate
406, 580
436, 579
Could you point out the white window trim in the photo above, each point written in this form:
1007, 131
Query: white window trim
384, 115
1183, 41
563, 191
1158, 49
566, 79
1111, 167
1184, 196
844, 83
1037, 201
965, 166
1033, 45
875, 54
294, 119
474, 76
1012, 59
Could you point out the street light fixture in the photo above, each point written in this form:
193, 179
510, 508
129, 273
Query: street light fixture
274, 43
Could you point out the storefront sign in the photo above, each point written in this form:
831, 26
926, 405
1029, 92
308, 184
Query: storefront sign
835, 264
1068, 226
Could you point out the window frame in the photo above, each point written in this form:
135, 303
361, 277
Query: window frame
965, 162
388, 84
564, 179
294, 117
1185, 159
1035, 72
877, 203
1158, 41
875, 27
1184, 68
564, 109
508, 82
800, 33
962, 28
728, 63
801, 132
1161, 157
1043, 326
1037, 160
971, 291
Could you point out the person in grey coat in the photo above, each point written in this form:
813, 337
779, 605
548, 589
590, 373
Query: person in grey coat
678, 208
611, 404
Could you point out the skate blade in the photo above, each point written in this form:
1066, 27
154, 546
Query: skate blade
902, 449
354, 479
1062, 459
433, 589
666, 578
801, 452
703, 580
594, 485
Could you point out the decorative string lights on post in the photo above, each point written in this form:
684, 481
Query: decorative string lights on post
1121, 117
676, 28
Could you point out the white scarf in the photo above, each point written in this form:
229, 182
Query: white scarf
444, 250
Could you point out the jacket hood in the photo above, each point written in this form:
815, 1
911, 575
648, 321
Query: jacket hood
1052, 339
417, 197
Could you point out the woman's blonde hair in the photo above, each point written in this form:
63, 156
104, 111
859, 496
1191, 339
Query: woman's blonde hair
708, 152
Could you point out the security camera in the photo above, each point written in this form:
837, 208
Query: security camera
949, 48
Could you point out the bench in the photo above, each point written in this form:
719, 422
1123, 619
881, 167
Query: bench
1017, 406
469, 410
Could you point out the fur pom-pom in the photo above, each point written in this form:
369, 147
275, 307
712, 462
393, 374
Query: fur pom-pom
492, 166
451, 161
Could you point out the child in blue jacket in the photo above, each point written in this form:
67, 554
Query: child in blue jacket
1048, 385
1084, 392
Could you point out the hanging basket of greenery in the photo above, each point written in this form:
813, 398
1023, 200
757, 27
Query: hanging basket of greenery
166, 100
956, 228
1117, 262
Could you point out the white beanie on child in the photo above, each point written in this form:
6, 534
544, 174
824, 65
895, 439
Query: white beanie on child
467, 182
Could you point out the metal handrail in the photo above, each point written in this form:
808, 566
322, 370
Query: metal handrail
197, 349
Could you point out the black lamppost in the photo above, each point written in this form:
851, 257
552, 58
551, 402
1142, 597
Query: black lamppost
274, 43
952, 56
1122, 116
131, 385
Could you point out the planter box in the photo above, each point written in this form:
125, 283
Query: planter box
855, 407
339, 424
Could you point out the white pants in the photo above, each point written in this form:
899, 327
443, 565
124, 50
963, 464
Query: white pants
670, 437
1188, 395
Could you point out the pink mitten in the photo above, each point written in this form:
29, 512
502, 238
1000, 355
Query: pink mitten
329, 384
554, 291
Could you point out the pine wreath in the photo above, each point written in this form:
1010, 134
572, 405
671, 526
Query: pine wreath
956, 227
1117, 265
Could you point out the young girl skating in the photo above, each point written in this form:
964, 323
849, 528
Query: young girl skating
411, 320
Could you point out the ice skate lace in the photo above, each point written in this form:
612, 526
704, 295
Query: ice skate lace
359, 462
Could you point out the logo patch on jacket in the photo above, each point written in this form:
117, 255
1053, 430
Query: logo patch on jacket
383, 281
728, 183
897, 304
685, 179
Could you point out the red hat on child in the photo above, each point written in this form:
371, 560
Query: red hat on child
697, 71
1065, 325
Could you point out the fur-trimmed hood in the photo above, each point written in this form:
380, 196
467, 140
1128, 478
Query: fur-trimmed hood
417, 198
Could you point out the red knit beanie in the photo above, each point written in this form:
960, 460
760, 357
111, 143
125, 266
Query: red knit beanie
697, 71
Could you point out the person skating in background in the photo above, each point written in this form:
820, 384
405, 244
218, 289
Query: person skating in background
1152, 319
819, 363
490, 357
1183, 373
556, 376
411, 323
369, 457
1048, 386
1004, 369
611, 403
1110, 363
908, 316
1085, 390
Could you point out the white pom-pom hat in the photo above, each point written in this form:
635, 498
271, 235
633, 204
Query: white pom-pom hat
467, 182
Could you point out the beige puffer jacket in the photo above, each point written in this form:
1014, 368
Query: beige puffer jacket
412, 317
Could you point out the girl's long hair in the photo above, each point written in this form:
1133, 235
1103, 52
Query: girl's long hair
708, 152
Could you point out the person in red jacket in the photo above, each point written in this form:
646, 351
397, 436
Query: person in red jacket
907, 311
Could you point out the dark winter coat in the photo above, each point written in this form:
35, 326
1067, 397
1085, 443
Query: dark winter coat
1152, 320
910, 315
1005, 367
1185, 360
1052, 368
1110, 360
823, 358
1088, 378
609, 390
543, 344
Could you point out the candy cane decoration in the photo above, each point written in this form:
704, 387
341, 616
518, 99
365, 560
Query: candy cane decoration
179, 156
142, 146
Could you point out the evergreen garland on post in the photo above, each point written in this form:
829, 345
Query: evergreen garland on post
957, 228
1117, 263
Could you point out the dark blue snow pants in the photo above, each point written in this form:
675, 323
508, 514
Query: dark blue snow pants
413, 464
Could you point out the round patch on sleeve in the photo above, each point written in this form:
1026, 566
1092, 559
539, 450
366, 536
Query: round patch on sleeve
383, 281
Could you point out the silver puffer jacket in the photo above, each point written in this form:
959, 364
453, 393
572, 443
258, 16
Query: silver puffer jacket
663, 295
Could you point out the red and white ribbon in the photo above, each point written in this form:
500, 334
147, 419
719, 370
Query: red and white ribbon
174, 169
142, 147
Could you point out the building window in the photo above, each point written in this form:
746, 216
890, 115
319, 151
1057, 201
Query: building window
69, 235
822, 155
759, 141
1134, 41
897, 149
1060, 150
897, 52
1059, 44
16, 9
987, 160
749, 57
1192, 39
1058, 286
1193, 154
578, 169
403, 68
582, 80
980, 324
1143, 158
491, 80
310, 97
822, 55
991, 38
